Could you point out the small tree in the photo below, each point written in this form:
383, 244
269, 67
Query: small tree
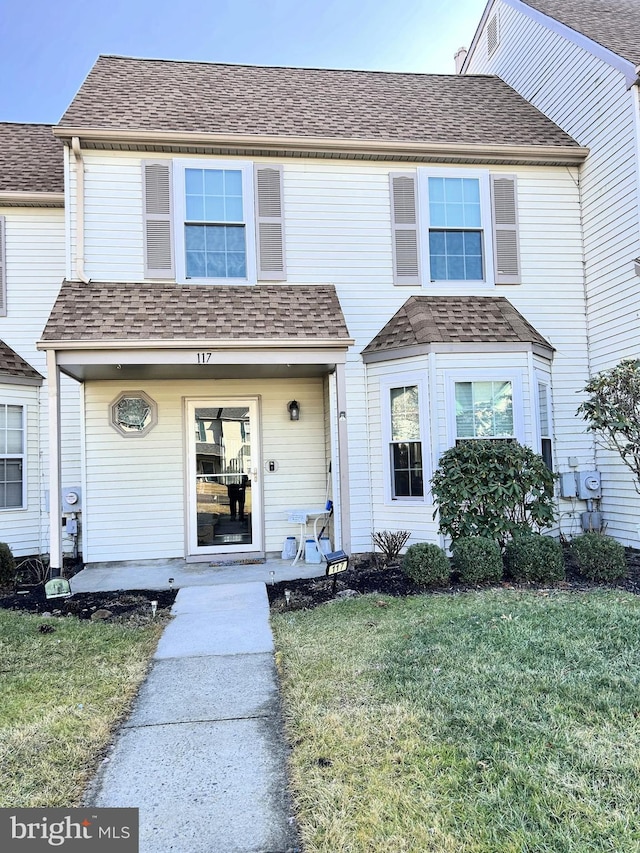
493, 489
613, 412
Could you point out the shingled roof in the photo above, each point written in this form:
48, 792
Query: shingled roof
31, 159
424, 320
12, 364
196, 97
614, 24
110, 312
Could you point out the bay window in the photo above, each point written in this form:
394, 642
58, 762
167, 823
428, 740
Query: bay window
484, 410
407, 477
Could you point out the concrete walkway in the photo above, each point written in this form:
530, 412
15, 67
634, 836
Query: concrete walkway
155, 574
202, 755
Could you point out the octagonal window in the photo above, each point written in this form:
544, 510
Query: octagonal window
133, 413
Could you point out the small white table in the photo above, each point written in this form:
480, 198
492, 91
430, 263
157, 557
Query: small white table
303, 517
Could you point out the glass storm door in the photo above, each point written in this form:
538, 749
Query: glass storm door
224, 504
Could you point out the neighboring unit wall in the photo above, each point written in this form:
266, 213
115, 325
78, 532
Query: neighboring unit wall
21, 529
35, 267
590, 100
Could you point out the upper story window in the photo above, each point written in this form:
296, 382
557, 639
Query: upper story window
209, 221
12, 463
454, 226
215, 232
455, 229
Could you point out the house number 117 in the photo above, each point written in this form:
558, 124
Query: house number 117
204, 357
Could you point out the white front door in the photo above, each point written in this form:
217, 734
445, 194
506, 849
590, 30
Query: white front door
224, 505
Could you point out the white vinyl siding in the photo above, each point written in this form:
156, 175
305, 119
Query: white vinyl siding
590, 99
140, 514
35, 268
337, 221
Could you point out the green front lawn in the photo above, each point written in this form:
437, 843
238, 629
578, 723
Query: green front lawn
61, 696
494, 721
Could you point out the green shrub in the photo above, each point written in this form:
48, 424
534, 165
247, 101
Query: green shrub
494, 489
599, 557
534, 558
426, 564
477, 559
7, 565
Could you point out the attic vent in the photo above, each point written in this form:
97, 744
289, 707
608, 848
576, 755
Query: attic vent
492, 35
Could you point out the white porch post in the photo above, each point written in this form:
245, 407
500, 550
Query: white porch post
343, 457
55, 486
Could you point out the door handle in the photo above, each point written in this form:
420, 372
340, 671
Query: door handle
254, 474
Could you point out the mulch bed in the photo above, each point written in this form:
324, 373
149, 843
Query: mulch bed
366, 575
369, 576
132, 606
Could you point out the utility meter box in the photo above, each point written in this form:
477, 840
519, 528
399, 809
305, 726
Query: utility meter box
72, 499
589, 485
568, 484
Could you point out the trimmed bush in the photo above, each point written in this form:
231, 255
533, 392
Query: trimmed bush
534, 558
426, 564
494, 489
7, 565
477, 559
599, 557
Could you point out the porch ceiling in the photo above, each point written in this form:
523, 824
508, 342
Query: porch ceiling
208, 372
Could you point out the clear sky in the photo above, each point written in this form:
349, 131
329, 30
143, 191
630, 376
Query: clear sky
48, 46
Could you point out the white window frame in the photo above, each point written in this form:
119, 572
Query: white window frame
248, 203
494, 375
483, 176
544, 379
21, 456
402, 380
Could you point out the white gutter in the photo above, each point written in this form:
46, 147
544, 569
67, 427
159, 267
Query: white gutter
77, 154
31, 199
455, 151
205, 345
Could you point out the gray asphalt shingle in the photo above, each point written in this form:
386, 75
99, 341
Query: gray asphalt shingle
31, 159
122, 93
614, 24
12, 364
454, 319
131, 311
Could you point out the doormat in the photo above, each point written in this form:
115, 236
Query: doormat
256, 561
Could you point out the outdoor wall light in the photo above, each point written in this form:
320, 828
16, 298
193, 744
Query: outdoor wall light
342, 416
294, 410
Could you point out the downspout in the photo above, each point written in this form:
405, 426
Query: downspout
79, 162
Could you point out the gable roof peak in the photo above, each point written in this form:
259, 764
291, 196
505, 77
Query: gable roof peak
612, 24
